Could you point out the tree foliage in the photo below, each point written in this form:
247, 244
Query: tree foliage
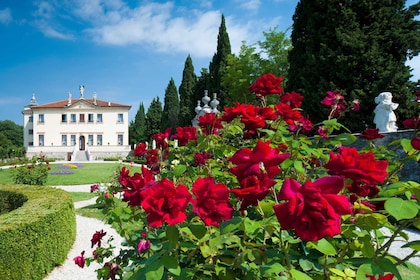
171, 107
153, 118
357, 47
11, 139
138, 127
186, 93
219, 62
266, 56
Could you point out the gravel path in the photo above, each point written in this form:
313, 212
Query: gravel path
85, 228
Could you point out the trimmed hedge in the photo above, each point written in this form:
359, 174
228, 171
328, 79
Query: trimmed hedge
10, 201
38, 235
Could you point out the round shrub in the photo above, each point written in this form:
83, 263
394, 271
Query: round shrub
38, 235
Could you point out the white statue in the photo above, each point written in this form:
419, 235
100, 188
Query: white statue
385, 118
82, 90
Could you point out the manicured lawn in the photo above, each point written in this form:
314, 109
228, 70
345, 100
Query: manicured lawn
80, 196
85, 173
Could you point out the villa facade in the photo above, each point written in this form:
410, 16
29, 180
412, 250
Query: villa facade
76, 129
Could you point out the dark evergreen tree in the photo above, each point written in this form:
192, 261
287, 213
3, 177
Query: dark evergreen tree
357, 47
137, 128
13, 132
218, 64
153, 118
186, 93
170, 107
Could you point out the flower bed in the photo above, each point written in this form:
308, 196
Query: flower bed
248, 195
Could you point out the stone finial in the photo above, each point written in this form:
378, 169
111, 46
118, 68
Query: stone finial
82, 91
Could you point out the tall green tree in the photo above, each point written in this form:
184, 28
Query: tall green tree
153, 118
266, 56
137, 128
13, 132
357, 47
186, 93
203, 83
218, 64
170, 107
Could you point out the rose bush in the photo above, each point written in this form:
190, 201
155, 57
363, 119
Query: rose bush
249, 195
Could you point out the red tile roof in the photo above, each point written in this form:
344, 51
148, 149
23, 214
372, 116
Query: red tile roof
64, 103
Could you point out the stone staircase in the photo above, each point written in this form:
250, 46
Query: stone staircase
81, 156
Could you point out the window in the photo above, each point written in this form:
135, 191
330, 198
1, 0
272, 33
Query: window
31, 132
73, 118
99, 140
31, 119
63, 118
90, 140
64, 140
41, 118
120, 118
30, 144
99, 118
73, 140
41, 140
82, 118
120, 139
90, 118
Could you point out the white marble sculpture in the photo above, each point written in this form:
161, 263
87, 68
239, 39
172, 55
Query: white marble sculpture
385, 118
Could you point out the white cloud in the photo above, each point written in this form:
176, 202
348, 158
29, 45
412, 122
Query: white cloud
251, 5
5, 16
153, 25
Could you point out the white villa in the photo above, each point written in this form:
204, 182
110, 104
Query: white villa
76, 129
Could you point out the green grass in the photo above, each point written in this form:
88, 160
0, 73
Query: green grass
89, 173
79, 196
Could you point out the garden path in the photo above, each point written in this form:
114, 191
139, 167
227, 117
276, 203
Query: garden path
85, 228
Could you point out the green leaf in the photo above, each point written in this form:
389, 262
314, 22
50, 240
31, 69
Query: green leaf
172, 234
199, 230
251, 226
299, 166
171, 263
346, 138
298, 275
415, 245
179, 170
272, 269
230, 226
323, 246
401, 209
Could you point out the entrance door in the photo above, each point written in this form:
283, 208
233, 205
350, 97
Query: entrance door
82, 143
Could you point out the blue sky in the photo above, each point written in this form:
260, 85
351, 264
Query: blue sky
125, 51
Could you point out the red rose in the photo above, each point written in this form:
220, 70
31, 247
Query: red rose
415, 142
163, 202
371, 134
381, 277
411, 123
209, 123
363, 169
313, 209
293, 99
185, 134
254, 117
267, 84
287, 113
132, 186
211, 201
252, 189
201, 158
334, 101
96, 238
80, 260
263, 159
140, 150
162, 139
230, 113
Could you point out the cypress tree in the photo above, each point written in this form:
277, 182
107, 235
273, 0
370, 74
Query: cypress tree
153, 118
218, 64
357, 47
202, 84
186, 93
171, 107
137, 127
